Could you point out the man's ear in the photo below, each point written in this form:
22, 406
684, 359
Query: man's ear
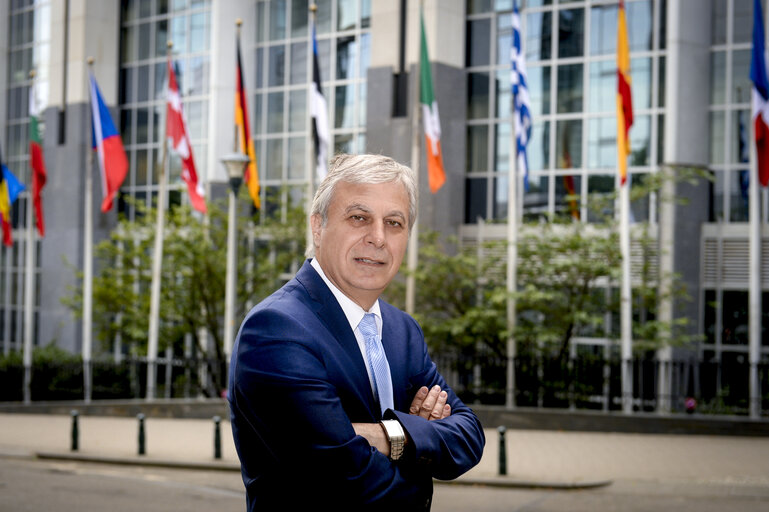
315, 224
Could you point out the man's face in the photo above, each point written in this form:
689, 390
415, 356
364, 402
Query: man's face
363, 242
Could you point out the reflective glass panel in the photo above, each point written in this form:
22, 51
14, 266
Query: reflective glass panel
741, 76
641, 76
477, 148
502, 86
539, 90
640, 141
639, 25
602, 96
717, 78
273, 159
717, 135
478, 92
538, 149
478, 43
570, 88
276, 74
502, 143
297, 157
568, 189
718, 22
740, 148
743, 17
298, 63
275, 112
346, 52
571, 32
475, 199
297, 111
602, 143
299, 16
344, 113
504, 39
277, 24
538, 33
739, 184
568, 144
599, 189
346, 14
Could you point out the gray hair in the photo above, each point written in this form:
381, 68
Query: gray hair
362, 169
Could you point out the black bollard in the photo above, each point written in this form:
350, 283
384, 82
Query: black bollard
75, 431
217, 438
502, 451
140, 417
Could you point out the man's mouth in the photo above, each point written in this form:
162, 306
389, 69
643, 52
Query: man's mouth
369, 261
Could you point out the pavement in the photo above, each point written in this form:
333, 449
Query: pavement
535, 458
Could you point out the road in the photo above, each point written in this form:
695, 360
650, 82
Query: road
28, 485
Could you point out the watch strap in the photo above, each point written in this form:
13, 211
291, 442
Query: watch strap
396, 436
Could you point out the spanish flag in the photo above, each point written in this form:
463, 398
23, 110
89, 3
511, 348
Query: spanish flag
245, 142
624, 99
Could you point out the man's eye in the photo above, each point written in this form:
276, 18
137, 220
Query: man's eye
357, 217
394, 223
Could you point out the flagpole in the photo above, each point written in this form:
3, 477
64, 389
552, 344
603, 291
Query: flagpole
311, 162
157, 259
29, 279
413, 247
88, 265
754, 289
512, 267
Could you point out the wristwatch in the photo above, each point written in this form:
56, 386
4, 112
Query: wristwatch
396, 436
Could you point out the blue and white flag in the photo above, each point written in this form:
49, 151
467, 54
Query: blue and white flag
521, 112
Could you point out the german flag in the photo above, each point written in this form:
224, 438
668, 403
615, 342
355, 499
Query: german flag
245, 142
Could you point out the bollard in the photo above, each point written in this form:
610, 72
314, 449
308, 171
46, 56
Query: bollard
502, 451
140, 417
75, 431
217, 438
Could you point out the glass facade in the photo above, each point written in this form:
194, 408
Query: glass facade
730, 107
570, 50
146, 27
280, 88
29, 46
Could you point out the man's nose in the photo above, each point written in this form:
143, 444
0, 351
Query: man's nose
376, 235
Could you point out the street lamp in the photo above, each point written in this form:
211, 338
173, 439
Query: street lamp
235, 163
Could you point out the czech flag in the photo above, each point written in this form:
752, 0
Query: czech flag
113, 164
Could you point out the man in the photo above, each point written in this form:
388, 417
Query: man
335, 402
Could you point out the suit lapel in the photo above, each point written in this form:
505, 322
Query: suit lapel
330, 313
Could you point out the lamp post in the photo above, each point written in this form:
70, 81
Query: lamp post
235, 163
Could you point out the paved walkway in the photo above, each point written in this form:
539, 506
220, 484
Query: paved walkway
534, 458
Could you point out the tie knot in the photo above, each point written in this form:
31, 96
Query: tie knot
367, 325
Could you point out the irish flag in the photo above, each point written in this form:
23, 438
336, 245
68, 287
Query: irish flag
435, 173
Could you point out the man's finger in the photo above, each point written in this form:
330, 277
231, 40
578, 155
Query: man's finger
446, 411
416, 404
440, 403
427, 406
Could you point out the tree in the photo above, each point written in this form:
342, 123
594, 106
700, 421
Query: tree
193, 277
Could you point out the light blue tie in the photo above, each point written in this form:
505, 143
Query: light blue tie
377, 362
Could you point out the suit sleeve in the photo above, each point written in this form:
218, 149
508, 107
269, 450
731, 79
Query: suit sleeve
449, 447
282, 394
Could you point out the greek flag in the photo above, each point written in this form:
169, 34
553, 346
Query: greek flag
521, 112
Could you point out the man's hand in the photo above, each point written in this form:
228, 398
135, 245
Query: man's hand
431, 404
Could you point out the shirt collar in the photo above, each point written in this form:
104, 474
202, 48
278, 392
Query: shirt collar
352, 311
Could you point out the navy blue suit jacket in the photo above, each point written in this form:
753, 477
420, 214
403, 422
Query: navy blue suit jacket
297, 383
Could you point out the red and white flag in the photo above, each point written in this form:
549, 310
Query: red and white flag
176, 131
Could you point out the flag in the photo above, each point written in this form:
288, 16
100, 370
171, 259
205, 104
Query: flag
113, 164
9, 191
176, 131
436, 176
319, 113
36, 162
760, 95
624, 99
245, 142
521, 112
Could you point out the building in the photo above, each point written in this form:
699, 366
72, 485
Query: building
690, 63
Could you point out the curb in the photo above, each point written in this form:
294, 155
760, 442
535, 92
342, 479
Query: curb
128, 461
505, 482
